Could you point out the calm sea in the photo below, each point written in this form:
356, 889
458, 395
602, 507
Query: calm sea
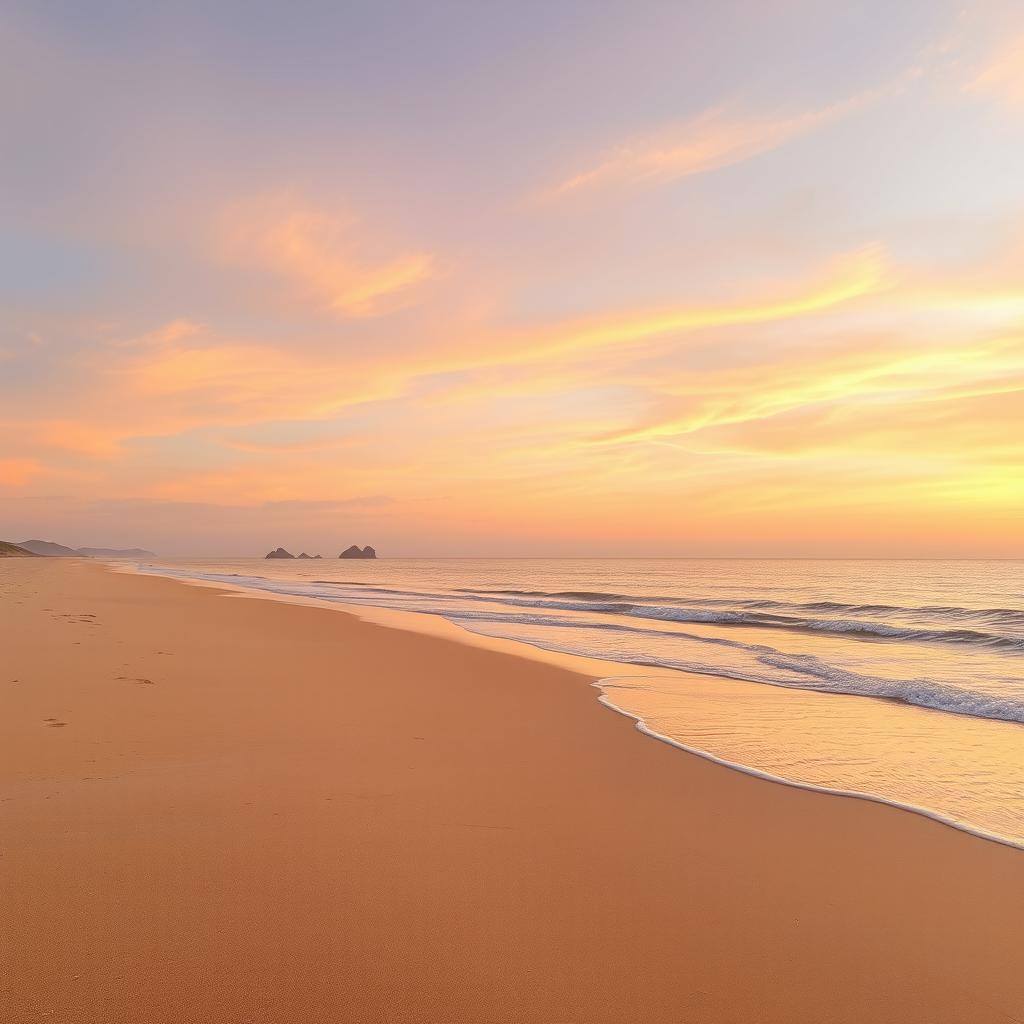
899, 680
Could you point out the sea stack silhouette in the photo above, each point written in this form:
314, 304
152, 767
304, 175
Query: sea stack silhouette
280, 553
357, 552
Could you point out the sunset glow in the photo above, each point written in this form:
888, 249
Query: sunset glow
499, 294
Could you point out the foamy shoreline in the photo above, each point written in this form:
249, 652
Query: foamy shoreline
605, 675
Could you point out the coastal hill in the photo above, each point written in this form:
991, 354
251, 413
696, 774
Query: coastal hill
9, 550
49, 547
357, 552
55, 550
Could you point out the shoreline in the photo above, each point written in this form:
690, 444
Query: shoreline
809, 787
603, 672
230, 810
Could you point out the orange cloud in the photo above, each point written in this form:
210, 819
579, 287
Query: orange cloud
318, 255
849, 279
714, 139
790, 397
1002, 79
75, 435
18, 472
856, 276
226, 382
861, 373
166, 334
180, 376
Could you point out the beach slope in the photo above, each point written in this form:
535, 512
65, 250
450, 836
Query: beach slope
226, 810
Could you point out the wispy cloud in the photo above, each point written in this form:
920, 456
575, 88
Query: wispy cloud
1001, 77
714, 139
320, 256
18, 472
182, 376
854, 277
784, 404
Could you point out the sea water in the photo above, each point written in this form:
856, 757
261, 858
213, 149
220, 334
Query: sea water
893, 679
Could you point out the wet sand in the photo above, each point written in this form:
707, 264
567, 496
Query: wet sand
228, 810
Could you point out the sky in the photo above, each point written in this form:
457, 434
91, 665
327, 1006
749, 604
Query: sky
537, 279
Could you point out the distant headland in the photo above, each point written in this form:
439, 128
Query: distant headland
54, 550
351, 552
9, 550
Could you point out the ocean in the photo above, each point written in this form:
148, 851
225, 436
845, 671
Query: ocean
897, 680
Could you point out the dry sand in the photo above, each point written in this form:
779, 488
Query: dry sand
237, 811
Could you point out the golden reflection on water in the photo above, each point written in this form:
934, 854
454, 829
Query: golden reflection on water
969, 771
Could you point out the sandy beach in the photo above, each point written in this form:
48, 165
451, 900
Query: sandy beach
227, 810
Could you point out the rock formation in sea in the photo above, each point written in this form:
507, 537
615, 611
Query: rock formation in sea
357, 552
281, 553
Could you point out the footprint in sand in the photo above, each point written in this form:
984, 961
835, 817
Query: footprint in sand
136, 679
54, 724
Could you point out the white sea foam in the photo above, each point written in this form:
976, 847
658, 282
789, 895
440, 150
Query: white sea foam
829, 635
983, 833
